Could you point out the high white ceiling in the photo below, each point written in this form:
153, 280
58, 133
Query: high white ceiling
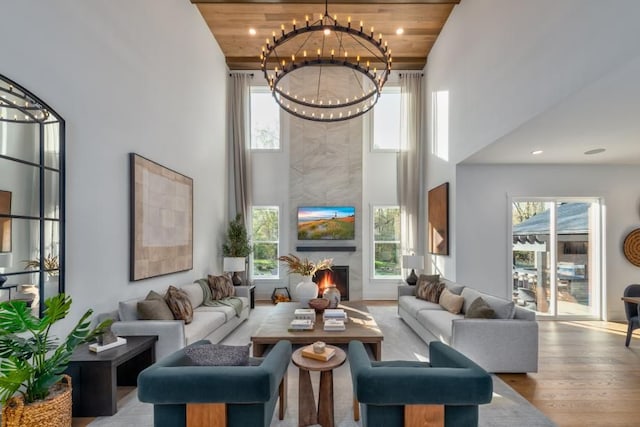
605, 114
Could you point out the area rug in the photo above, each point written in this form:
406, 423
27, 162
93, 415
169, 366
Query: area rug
507, 407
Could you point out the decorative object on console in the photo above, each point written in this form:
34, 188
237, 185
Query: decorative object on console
234, 265
412, 262
332, 294
327, 55
439, 220
161, 236
28, 381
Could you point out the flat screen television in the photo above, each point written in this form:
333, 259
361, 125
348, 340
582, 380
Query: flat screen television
326, 223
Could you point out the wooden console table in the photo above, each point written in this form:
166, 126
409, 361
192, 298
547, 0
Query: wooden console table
95, 376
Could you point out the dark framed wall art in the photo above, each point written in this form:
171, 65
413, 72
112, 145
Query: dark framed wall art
161, 235
438, 227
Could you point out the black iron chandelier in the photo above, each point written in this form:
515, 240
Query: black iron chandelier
324, 71
19, 106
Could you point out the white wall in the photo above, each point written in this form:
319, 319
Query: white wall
484, 243
144, 77
505, 62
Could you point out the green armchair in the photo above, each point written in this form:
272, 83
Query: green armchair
234, 396
398, 393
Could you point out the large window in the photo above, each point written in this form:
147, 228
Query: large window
266, 237
556, 256
386, 242
265, 120
386, 121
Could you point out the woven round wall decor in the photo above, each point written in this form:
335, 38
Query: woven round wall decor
632, 247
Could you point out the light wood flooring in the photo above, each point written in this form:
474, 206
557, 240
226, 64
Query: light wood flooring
586, 376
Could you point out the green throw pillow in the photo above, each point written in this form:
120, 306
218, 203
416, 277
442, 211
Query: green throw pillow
479, 309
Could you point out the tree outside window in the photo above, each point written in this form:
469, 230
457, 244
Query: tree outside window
265, 236
386, 242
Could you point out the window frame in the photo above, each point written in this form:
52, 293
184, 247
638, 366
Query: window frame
389, 89
254, 242
398, 242
264, 90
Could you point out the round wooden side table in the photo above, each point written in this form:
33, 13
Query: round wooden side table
307, 412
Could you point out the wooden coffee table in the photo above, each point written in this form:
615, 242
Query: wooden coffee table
361, 326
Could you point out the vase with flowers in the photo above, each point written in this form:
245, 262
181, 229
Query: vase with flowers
306, 289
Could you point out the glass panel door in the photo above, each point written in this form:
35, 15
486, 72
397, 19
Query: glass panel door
556, 256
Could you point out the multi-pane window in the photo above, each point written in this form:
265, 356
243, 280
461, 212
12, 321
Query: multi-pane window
265, 236
386, 120
265, 120
386, 242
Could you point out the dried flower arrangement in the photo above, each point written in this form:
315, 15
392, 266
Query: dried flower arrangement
305, 267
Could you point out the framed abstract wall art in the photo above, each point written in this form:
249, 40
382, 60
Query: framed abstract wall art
438, 227
161, 221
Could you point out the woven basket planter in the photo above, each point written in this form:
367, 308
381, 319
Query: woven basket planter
51, 412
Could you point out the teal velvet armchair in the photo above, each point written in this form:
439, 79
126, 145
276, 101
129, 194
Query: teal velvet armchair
399, 393
235, 396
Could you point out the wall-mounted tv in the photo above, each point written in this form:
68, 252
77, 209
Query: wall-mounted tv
326, 223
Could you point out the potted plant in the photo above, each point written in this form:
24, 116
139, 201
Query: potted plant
307, 289
237, 247
32, 389
51, 264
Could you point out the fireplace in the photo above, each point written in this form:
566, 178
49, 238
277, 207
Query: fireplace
338, 275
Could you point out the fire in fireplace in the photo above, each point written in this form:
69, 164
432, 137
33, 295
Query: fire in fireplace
338, 275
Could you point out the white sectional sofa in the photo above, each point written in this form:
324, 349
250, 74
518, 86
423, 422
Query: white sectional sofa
508, 343
212, 323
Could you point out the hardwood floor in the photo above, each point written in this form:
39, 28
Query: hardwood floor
587, 377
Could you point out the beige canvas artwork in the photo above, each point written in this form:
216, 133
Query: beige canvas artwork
161, 220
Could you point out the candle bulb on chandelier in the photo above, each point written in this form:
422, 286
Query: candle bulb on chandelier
294, 24
282, 28
349, 21
306, 18
371, 32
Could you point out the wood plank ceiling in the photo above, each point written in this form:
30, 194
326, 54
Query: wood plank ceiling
230, 21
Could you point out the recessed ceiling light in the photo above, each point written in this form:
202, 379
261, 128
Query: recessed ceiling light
595, 151
252, 31
400, 31
536, 152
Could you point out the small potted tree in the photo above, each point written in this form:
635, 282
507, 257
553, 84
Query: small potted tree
236, 248
33, 390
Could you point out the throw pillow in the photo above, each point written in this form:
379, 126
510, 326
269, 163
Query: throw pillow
178, 302
221, 286
430, 291
451, 302
154, 307
479, 309
427, 278
218, 355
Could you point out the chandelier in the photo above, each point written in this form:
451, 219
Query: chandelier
325, 71
19, 106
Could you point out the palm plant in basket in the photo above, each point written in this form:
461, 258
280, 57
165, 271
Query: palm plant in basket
33, 361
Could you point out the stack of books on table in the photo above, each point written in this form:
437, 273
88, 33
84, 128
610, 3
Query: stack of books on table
301, 325
335, 314
334, 325
327, 354
305, 313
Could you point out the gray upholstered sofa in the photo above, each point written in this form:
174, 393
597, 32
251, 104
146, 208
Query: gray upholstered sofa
508, 343
211, 323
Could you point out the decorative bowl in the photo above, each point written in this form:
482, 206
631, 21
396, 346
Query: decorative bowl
318, 304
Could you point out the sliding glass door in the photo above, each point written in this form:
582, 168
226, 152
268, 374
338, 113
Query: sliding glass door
556, 256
